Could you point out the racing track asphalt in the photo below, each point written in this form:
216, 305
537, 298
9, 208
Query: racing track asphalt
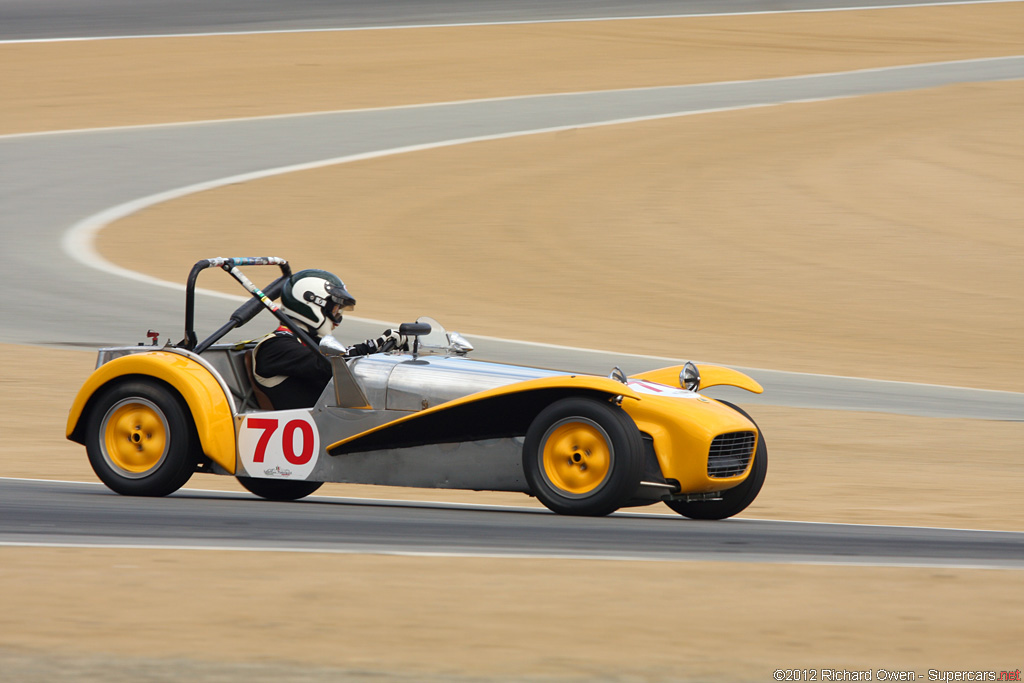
62, 513
51, 182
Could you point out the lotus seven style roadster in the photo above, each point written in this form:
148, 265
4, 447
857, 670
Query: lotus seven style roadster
151, 416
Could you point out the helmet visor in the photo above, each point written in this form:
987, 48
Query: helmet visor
340, 300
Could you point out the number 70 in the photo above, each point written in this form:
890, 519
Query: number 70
269, 426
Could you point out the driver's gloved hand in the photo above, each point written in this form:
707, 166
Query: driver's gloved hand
377, 345
401, 341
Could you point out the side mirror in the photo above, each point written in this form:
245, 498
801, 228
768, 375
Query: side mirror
332, 348
414, 329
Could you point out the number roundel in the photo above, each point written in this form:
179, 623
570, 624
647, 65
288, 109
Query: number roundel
279, 445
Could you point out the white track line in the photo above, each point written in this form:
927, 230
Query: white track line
813, 10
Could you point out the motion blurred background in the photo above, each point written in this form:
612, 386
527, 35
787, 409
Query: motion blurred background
880, 236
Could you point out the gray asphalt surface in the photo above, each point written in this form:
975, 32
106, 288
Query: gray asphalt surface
54, 512
42, 19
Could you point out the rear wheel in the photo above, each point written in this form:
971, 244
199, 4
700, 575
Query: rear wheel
734, 500
140, 439
583, 457
275, 489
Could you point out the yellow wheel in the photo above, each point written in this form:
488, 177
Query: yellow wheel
134, 437
583, 456
577, 456
140, 438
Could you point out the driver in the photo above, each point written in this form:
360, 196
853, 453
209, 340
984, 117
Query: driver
291, 374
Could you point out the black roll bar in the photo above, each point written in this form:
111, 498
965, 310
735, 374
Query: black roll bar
248, 310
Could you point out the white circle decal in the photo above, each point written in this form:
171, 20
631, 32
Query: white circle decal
282, 444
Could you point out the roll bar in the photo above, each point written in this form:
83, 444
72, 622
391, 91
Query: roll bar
247, 311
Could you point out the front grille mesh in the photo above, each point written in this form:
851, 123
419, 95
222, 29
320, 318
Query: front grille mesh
730, 454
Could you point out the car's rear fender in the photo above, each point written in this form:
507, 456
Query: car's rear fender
710, 376
203, 392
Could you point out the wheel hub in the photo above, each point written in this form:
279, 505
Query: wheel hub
135, 437
577, 456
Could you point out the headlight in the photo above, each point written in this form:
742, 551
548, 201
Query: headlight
689, 377
458, 344
618, 375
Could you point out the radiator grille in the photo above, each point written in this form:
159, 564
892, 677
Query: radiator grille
730, 454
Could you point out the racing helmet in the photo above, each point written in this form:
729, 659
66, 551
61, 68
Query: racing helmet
316, 299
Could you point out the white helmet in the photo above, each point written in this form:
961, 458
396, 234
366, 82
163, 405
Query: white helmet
316, 299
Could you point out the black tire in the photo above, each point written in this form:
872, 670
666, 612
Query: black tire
276, 489
734, 500
140, 438
602, 452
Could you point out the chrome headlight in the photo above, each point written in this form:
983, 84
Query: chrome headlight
618, 375
458, 344
689, 377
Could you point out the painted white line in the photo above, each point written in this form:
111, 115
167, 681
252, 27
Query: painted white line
212, 34
508, 98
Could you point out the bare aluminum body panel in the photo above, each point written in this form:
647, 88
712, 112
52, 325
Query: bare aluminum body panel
492, 464
396, 385
400, 382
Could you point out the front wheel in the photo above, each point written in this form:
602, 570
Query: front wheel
276, 489
140, 439
583, 456
734, 500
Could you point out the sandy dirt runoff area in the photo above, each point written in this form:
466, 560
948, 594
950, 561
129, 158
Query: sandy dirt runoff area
878, 237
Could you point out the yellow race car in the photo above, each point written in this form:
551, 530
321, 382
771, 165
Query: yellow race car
151, 416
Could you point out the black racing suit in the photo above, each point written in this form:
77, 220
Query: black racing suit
294, 375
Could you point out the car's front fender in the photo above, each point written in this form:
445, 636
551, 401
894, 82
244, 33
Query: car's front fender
201, 390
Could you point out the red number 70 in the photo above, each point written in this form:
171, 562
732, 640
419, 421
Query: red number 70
269, 426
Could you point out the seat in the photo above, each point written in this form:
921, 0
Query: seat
262, 400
